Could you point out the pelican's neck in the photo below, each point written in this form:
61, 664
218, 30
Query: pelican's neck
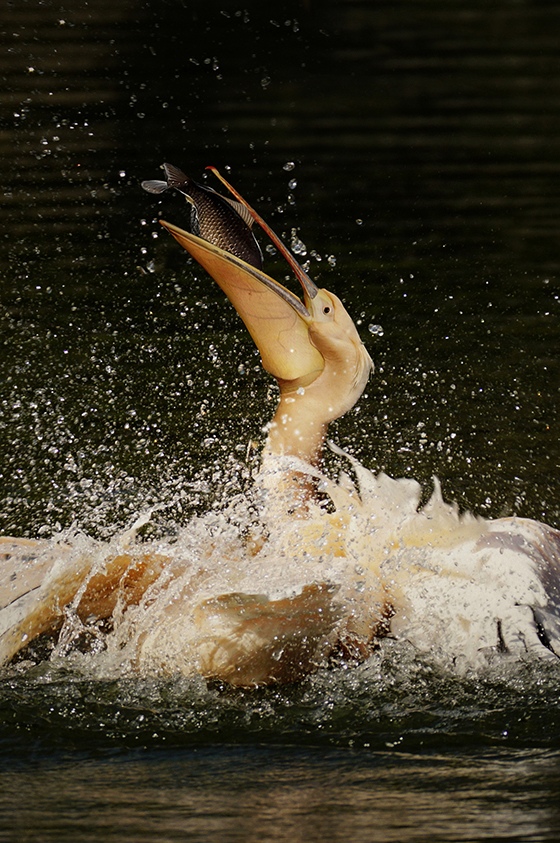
296, 436
297, 429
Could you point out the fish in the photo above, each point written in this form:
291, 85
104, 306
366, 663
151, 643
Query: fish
220, 220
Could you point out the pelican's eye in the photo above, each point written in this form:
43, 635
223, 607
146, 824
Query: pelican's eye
326, 309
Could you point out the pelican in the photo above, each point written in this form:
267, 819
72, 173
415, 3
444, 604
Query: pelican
328, 567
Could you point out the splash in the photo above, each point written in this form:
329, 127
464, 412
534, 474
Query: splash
251, 593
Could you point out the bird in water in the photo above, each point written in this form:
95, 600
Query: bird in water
328, 567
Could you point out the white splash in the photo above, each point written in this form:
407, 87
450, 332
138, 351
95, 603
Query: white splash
254, 593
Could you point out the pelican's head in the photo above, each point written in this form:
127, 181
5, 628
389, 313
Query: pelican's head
312, 346
313, 342
346, 362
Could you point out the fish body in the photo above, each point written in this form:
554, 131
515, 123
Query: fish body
219, 220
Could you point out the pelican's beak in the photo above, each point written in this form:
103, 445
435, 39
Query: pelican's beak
276, 319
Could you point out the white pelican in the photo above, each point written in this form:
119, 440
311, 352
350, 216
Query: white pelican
327, 567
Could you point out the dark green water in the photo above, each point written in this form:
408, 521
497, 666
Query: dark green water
423, 137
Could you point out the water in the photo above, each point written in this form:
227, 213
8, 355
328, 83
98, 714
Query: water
180, 795
413, 148
391, 751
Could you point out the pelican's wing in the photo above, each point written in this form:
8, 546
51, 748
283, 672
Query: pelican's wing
541, 544
248, 639
40, 579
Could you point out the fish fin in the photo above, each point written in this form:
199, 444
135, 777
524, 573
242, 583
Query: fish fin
175, 176
155, 186
195, 222
241, 210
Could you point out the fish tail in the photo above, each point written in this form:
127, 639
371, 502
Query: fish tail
176, 177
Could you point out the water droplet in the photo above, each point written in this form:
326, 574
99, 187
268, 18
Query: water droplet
359, 222
376, 330
297, 246
292, 184
289, 165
